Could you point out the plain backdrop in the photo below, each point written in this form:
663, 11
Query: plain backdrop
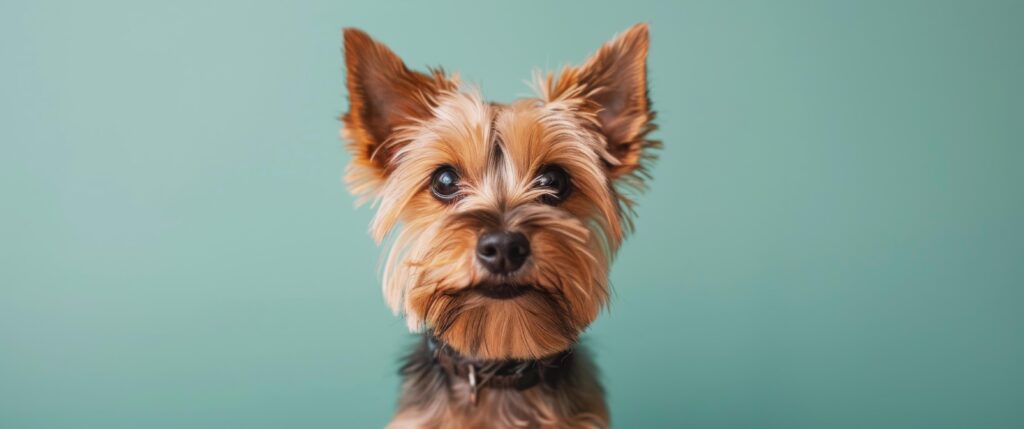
833, 237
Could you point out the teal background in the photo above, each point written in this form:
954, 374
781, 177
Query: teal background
833, 238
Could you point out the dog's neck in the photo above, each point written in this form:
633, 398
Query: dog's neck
443, 388
516, 374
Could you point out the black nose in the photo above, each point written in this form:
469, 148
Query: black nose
502, 252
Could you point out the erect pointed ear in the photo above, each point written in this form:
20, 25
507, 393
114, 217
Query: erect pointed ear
383, 95
613, 83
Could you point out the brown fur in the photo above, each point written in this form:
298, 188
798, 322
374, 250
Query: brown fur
592, 121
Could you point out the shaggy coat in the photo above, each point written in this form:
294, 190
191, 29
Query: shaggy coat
592, 123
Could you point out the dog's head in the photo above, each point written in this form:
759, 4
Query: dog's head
501, 218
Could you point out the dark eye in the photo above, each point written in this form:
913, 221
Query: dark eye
556, 179
444, 183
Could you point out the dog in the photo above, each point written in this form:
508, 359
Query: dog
500, 222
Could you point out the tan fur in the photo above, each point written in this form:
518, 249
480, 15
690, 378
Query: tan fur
592, 121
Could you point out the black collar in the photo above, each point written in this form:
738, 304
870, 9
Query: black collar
516, 374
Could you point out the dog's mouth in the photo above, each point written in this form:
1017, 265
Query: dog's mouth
502, 290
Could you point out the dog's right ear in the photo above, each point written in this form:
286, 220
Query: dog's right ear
383, 95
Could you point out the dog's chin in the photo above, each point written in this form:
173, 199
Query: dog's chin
502, 291
502, 321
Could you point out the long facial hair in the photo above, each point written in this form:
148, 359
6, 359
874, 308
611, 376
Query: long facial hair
590, 121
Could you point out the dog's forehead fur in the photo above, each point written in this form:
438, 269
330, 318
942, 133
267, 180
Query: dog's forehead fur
498, 149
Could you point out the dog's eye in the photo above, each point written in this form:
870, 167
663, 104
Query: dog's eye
444, 183
556, 179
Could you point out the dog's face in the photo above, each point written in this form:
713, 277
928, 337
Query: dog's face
502, 218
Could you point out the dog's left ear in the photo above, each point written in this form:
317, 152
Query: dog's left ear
383, 96
613, 81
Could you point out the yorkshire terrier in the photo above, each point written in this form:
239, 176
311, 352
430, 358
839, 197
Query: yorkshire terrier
502, 220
